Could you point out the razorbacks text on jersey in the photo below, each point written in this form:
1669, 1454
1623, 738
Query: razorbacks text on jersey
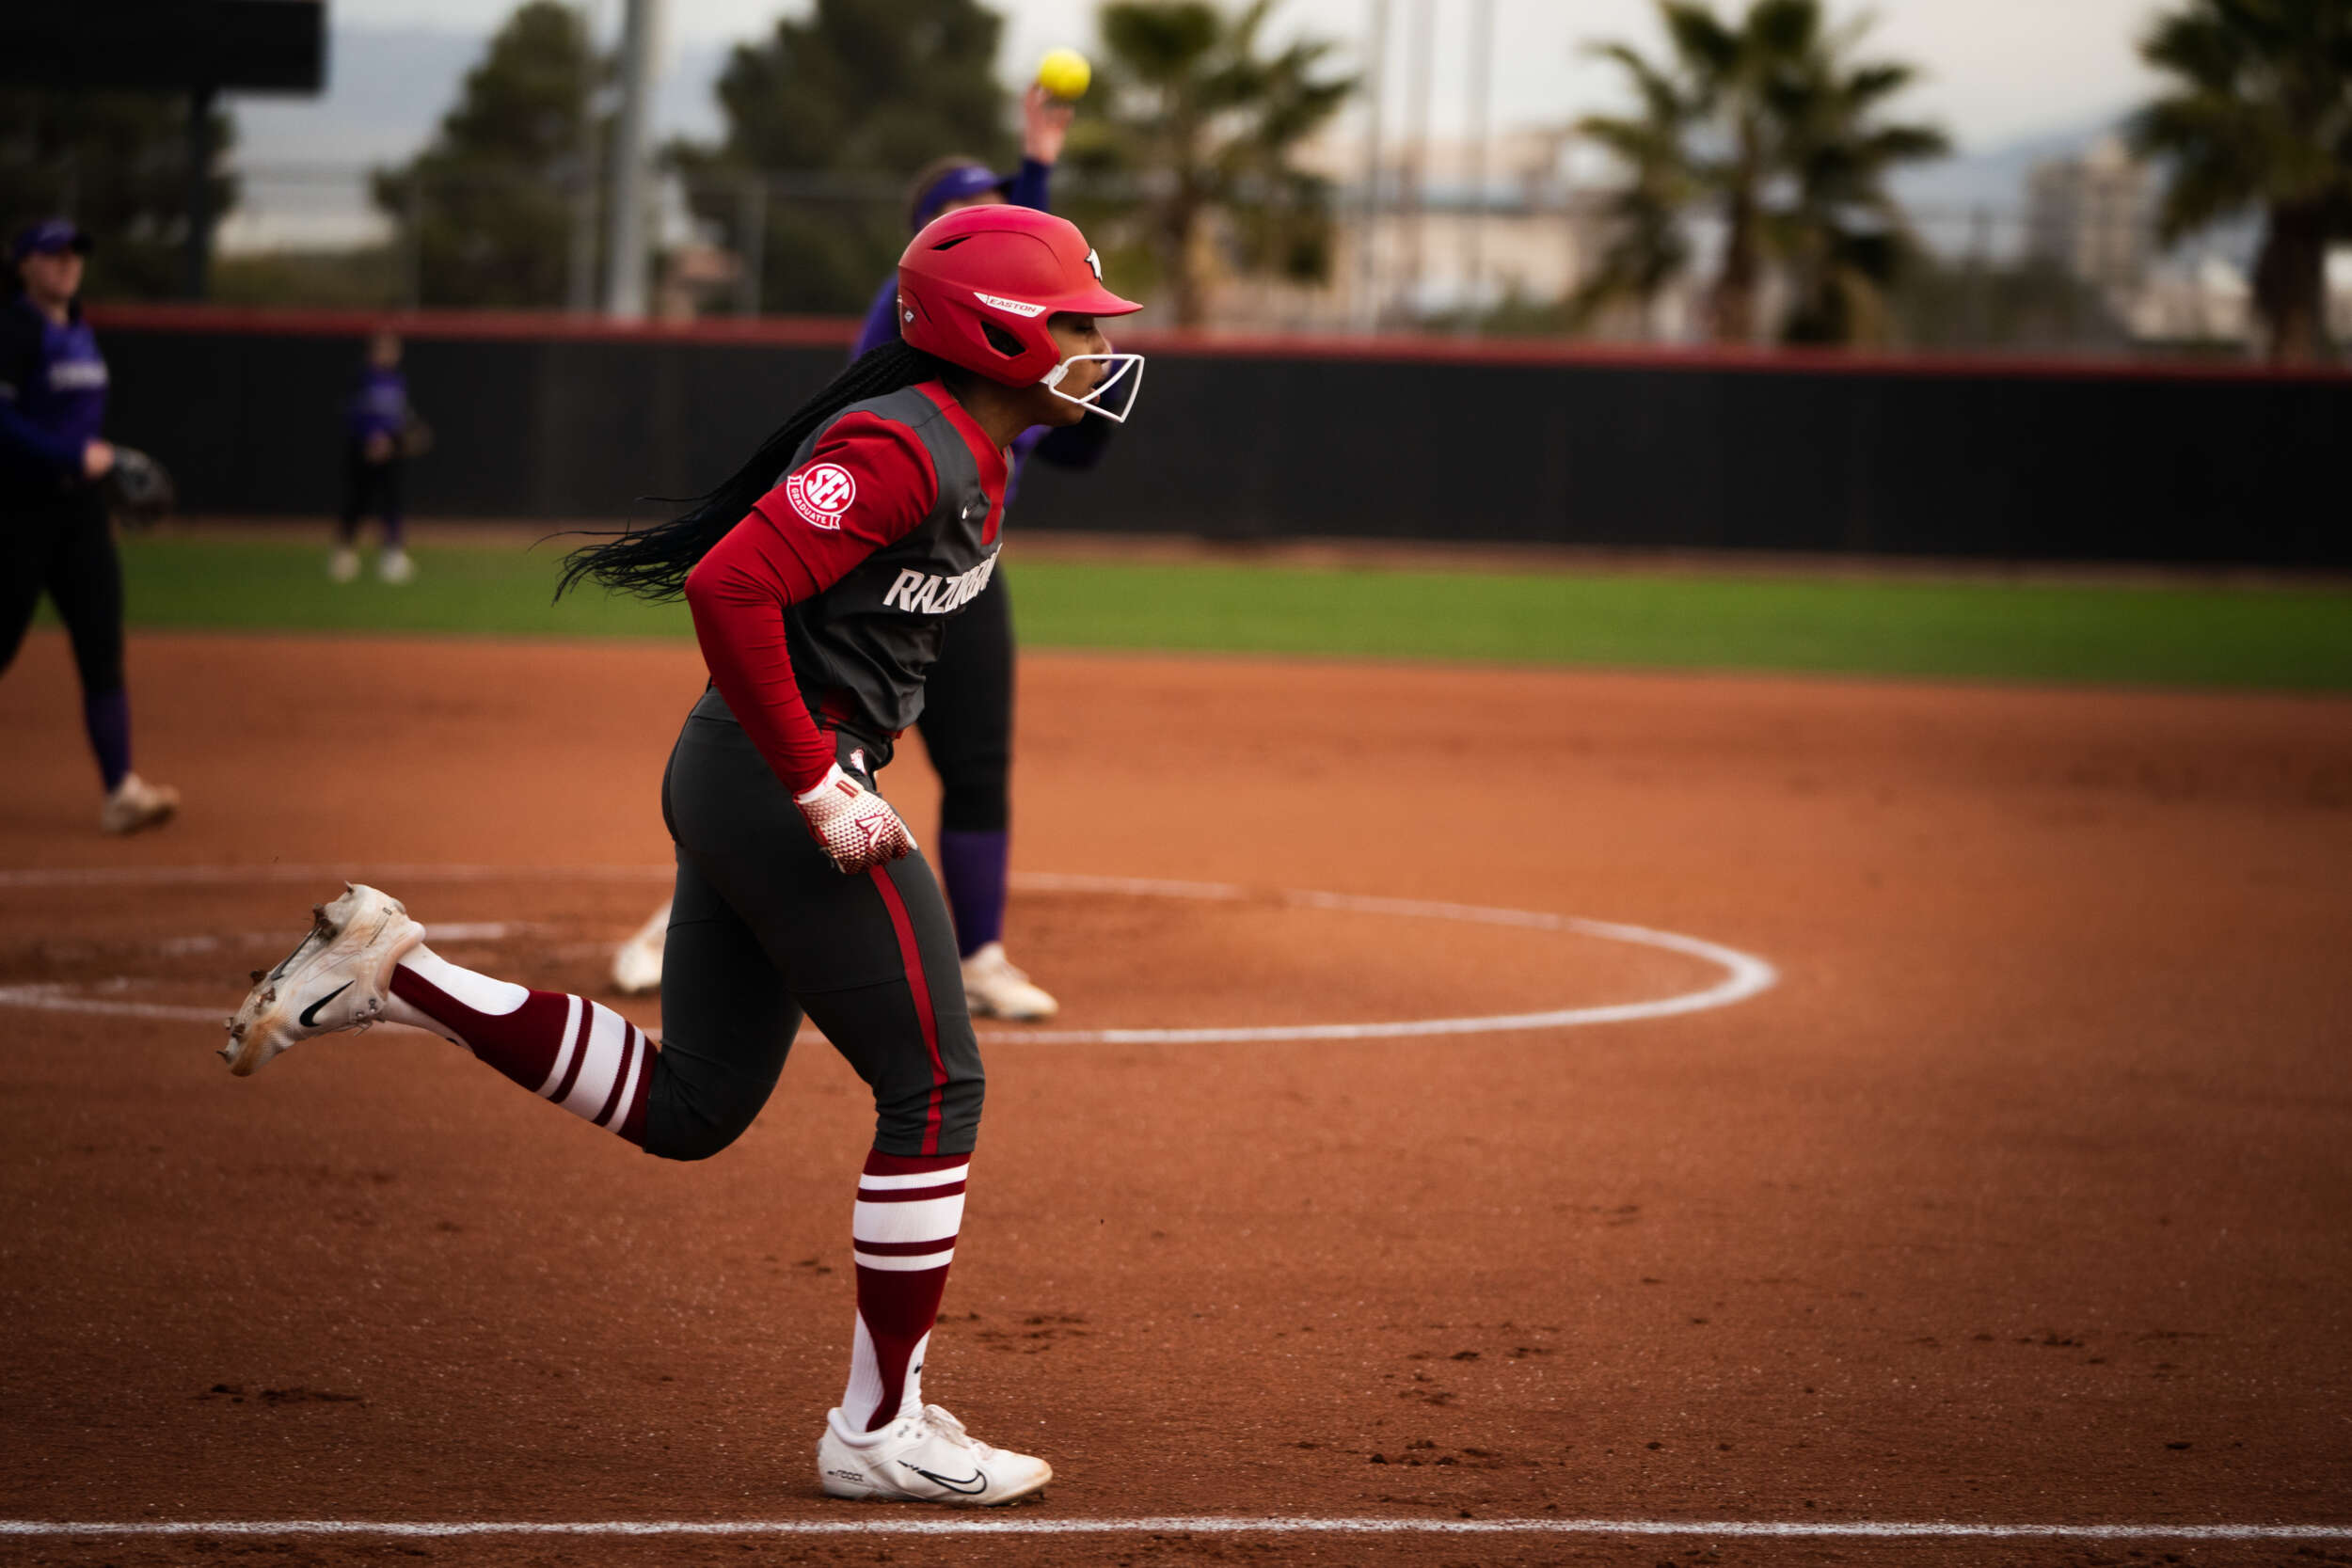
831, 598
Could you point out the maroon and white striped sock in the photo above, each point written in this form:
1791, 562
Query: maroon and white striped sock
902, 1236
580, 1053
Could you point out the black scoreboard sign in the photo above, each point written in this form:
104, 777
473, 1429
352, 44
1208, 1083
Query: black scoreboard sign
167, 45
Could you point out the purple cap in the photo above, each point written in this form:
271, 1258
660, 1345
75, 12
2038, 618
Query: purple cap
960, 183
50, 235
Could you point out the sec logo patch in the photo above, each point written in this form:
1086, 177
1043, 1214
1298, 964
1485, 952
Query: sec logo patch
821, 494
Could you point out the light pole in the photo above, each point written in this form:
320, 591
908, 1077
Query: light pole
1481, 46
1423, 82
1367, 261
625, 249
195, 264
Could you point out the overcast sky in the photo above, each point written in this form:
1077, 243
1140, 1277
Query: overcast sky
1996, 69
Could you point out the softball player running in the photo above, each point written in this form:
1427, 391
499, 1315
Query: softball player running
821, 578
54, 533
967, 713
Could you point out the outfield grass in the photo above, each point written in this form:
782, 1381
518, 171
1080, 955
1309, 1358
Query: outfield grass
2169, 635
248, 585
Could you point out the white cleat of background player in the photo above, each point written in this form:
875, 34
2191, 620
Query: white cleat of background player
395, 566
993, 986
135, 805
637, 963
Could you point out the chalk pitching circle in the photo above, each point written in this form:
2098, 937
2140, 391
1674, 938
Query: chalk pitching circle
1744, 974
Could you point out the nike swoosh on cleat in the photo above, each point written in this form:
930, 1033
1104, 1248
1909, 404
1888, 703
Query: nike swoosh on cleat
972, 1487
310, 1013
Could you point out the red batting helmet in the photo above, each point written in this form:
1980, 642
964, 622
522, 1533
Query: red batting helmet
978, 284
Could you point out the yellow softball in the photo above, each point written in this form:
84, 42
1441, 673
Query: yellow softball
1064, 72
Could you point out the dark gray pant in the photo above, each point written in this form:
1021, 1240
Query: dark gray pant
763, 930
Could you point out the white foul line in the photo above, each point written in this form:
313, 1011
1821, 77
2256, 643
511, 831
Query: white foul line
1184, 1525
61, 999
1744, 974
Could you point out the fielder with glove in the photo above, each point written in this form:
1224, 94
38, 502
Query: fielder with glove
57, 480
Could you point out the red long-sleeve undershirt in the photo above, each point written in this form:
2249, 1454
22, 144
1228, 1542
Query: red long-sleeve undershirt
779, 555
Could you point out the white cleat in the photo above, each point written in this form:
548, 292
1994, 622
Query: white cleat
343, 565
395, 567
992, 987
926, 1458
637, 963
334, 979
135, 805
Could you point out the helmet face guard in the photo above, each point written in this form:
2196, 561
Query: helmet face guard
978, 286
1125, 378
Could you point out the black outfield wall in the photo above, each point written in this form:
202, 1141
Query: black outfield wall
542, 420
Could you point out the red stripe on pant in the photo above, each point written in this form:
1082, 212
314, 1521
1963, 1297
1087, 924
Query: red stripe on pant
911, 957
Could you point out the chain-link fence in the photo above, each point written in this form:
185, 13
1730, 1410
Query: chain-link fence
2073, 269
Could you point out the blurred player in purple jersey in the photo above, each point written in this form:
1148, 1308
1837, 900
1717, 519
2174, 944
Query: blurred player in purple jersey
374, 424
966, 722
56, 536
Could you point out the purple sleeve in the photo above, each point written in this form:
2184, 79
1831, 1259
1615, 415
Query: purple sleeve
882, 320
1028, 188
24, 439
28, 444
1076, 446
1023, 445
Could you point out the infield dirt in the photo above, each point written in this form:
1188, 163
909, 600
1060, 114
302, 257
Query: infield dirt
2022, 1198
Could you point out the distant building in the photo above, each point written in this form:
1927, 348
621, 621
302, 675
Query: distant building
2200, 299
2091, 216
1459, 229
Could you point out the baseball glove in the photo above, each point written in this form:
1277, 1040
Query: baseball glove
138, 489
414, 438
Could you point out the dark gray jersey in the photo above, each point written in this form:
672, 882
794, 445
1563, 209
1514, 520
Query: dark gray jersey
860, 648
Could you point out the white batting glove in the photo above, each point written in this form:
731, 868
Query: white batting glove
852, 824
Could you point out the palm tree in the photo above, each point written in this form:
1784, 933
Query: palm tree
1204, 122
1647, 247
1841, 236
2261, 114
1763, 123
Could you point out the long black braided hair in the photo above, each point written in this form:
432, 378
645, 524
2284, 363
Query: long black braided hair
652, 562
